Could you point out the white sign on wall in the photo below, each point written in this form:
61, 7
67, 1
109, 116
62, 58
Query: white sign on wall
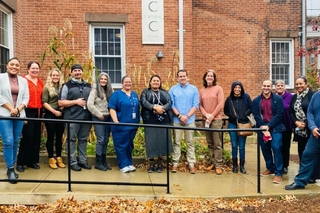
152, 22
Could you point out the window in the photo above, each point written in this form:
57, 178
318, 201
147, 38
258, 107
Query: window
6, 38
282, 61
311, 58
107, 45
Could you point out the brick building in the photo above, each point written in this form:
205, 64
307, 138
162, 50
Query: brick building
248, 40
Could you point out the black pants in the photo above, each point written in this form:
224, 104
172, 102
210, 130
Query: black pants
54, 130
286, 144
302, 142
31, 136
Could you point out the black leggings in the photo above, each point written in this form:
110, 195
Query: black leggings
54, 130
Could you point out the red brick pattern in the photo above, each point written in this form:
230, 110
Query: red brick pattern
229, 36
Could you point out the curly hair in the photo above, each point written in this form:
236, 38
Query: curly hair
51, 86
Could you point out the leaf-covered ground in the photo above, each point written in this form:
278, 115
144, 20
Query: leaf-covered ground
271, 205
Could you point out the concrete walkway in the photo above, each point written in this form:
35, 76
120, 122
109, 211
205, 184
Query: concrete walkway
182, 185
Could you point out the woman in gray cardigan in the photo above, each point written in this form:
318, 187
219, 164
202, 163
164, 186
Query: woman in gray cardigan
97, 104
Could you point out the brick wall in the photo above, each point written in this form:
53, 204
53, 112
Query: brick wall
229, 36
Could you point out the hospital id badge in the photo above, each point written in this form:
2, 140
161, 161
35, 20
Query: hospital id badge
134, 115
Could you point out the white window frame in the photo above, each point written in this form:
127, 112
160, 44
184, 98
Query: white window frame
9, 30
290, 84
92, 26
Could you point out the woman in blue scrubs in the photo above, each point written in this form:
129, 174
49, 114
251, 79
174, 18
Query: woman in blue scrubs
124, 108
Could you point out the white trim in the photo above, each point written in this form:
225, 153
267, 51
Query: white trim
92, 26
291, 60
10, 29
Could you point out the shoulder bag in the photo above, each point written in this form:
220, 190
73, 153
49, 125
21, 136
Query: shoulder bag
242, 126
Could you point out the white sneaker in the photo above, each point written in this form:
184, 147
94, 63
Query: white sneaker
125, 169
132, 168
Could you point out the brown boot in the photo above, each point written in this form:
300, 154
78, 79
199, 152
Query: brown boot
53, 163
210, 167
218, 171
60, 163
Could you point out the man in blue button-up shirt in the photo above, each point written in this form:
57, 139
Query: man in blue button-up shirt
185, 102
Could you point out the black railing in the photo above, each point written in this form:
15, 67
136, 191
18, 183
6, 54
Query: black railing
168, 127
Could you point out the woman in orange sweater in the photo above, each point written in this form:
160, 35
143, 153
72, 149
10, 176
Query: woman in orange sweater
31, 133
211, 107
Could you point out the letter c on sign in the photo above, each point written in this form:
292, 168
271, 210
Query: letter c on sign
150, 6
150, 27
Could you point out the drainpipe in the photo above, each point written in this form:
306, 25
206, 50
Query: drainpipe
181, 34
303, 59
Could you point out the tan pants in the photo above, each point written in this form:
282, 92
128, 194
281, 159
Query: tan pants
188, 136
214, 143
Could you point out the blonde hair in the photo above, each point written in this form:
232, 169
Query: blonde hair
51, 86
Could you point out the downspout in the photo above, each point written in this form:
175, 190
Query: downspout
303, 59
180, 34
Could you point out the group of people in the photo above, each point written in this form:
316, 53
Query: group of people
278, 113
282, 115
27, 96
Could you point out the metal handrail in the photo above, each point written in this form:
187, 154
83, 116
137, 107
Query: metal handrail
168, 127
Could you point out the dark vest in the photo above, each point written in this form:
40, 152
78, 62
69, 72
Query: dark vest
76, 91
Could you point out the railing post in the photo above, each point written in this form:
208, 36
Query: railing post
258, 166
68, 155
168, 167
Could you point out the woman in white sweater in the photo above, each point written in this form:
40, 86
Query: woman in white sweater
97, 105
14, 98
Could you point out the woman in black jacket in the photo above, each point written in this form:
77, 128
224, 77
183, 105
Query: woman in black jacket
298, 113
237, 107
156, 109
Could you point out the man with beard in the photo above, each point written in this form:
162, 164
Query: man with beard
73, 98
267, 109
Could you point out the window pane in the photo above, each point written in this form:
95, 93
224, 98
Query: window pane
112, 66
280, 61
97, 48
97, 35
4, 57
280, 72
108, 52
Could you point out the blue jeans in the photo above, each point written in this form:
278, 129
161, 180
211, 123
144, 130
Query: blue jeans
272, 152
102, 133
308, 162
238, 142
10, 132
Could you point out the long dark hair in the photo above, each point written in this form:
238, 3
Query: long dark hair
155, 76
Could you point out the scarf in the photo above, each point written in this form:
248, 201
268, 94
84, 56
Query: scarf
301, 116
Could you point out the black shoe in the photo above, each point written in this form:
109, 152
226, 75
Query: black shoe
159, 169
75, 167
293, 186
108, 167
12, 176
34, 166
20, 168
285, 170
84, 165
311, 180
100, 167
17, 176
